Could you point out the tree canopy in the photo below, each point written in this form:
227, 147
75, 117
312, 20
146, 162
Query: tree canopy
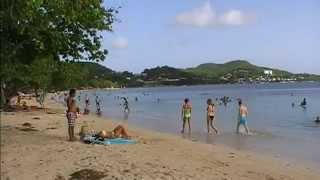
34, 32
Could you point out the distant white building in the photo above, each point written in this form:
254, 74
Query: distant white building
268, 72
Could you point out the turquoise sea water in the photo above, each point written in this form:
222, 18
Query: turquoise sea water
281, 129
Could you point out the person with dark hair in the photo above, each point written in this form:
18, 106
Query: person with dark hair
317, 119
125, 105
71, 113
211, 110
304, 102
186, 114
87, 104
242, 117
98, 105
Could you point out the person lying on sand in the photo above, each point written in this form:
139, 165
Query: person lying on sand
117, 132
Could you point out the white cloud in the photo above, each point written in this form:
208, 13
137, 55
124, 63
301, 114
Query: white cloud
206, 16
200, 17
236, 18
120, 43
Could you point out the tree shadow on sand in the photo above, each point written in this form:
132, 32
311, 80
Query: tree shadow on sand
87, 174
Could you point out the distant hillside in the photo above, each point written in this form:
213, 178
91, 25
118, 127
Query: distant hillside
209, 73
98, 75
165, 72
95, 69
234, 67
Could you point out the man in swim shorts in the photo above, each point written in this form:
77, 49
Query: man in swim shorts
242, 117
186, 114
71, 113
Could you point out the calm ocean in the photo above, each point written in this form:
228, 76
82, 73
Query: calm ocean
282, 130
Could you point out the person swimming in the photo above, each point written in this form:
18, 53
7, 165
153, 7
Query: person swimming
211, 116
242, 117
304, 102
186, 114
317, 119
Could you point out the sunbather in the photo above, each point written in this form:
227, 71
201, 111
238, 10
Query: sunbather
117, 132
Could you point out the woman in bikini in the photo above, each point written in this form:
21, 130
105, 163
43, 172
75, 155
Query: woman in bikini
210, 116
186, 114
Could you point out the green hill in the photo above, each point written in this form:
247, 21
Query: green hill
97, 75
234, 67
95, 69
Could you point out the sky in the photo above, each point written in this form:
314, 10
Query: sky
282, 34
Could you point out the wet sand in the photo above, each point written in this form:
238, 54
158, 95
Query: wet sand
40, 150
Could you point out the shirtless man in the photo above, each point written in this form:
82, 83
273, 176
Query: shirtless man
71, 113
186, 114
211, 110
242, 118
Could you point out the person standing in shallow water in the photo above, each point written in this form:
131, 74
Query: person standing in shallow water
87, 103
211, 110
242, 117
186, 114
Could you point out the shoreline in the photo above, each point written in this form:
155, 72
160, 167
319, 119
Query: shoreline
200, 138
46, 154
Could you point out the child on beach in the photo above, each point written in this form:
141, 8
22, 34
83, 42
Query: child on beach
186, 114
211, 116
242, 117
71, 113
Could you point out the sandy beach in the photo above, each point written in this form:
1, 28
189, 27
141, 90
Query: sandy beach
40, 150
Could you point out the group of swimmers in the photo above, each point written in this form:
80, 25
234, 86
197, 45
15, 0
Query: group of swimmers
87, 104
211, 111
